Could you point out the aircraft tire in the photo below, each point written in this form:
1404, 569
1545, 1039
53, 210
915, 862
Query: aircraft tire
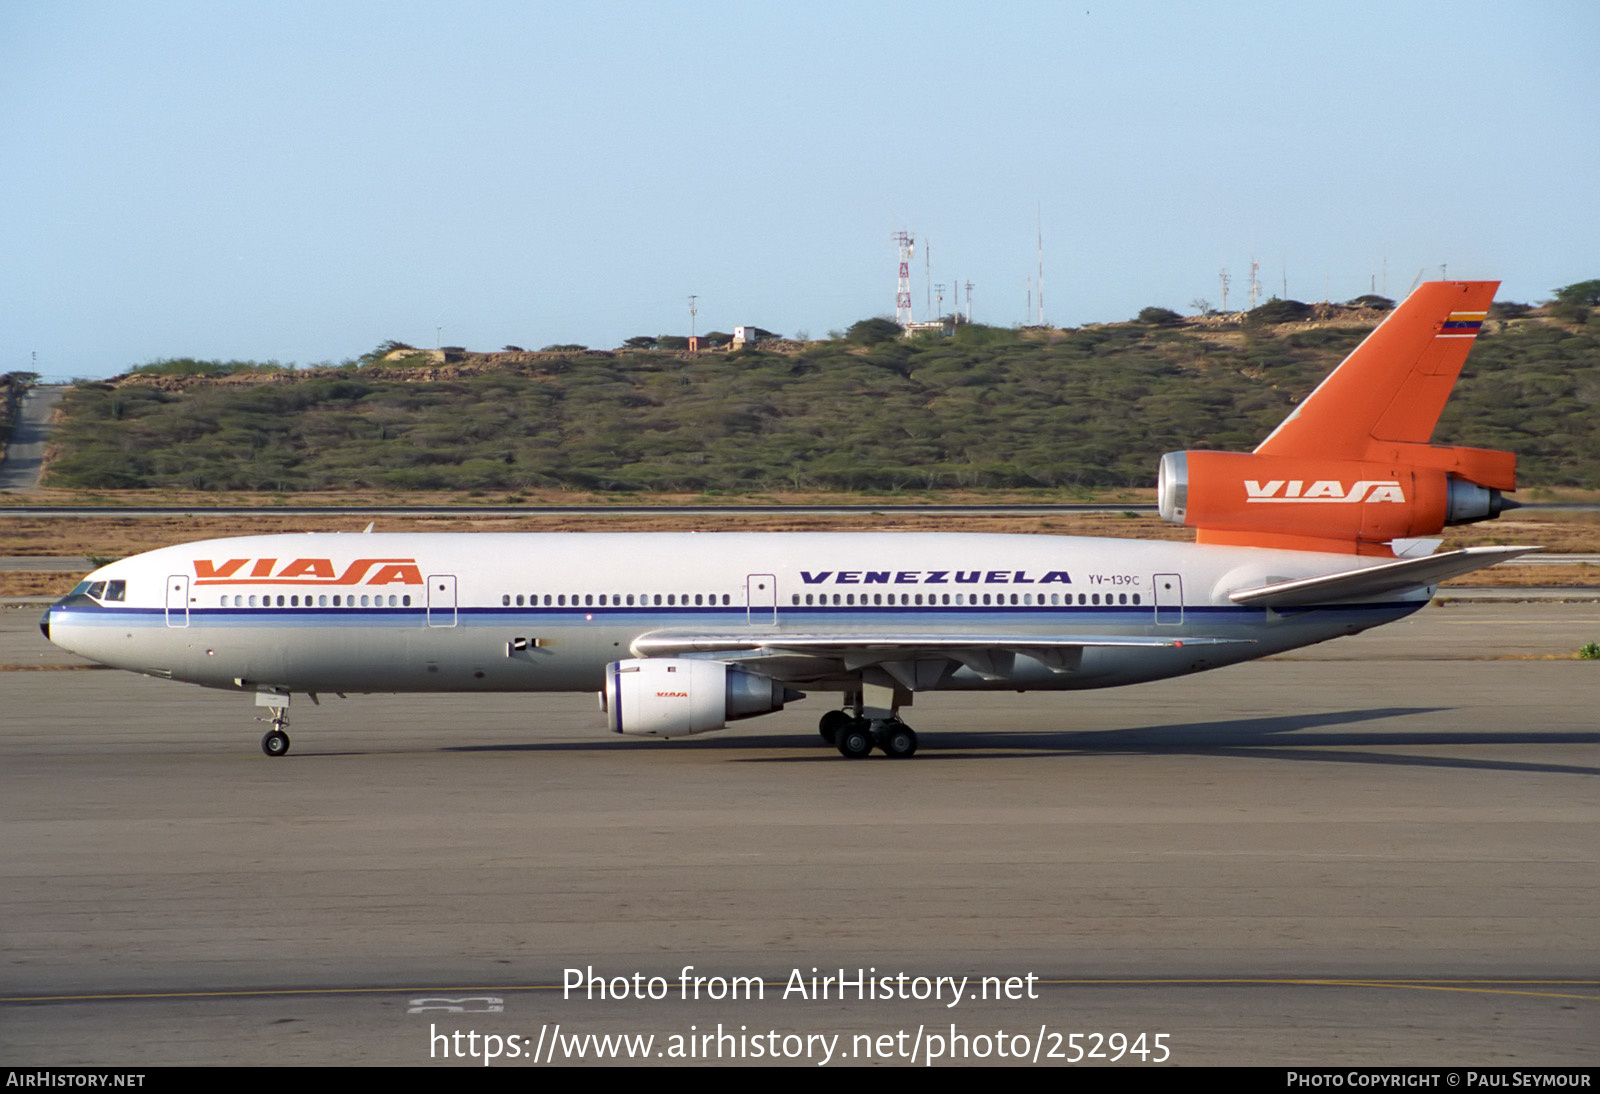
831, 723
854, 740
899, 742
275, 742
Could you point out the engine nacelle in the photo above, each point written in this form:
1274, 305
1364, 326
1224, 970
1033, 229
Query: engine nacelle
1325, 504
678, 696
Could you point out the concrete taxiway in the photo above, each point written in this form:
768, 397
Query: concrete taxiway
1378, 851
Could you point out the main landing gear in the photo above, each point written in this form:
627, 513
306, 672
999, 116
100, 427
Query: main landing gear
855, 736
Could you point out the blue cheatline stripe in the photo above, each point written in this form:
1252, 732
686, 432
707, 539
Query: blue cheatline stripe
722, 618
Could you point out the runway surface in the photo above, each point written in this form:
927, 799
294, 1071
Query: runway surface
1378, 851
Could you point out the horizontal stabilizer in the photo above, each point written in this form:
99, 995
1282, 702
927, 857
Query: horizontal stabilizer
1370, 581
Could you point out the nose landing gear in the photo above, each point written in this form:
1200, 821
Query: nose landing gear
275, 742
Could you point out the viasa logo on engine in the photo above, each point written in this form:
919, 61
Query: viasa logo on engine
1323, 490
307, 571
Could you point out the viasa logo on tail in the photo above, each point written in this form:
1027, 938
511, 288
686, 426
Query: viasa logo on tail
307, 571
1323, 490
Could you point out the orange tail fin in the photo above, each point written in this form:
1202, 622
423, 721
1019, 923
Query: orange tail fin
1351, 468
1393, 386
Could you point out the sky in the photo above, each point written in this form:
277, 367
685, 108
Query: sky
300, 182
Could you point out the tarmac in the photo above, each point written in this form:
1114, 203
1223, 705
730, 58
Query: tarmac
1380, 851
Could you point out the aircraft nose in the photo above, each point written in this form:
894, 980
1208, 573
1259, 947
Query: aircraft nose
44, 623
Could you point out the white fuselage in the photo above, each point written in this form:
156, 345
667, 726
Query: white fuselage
519, 612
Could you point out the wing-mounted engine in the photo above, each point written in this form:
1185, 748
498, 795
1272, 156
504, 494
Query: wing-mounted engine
679, 696
1352, 467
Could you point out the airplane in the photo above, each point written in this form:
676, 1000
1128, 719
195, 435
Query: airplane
1319, 532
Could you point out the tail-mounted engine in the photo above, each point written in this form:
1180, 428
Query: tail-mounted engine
1330, 505
678, 696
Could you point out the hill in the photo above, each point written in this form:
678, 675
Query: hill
987, 408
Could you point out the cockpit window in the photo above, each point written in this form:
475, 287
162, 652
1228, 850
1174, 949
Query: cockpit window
102, 590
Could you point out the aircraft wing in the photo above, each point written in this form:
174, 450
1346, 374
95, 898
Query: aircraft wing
1369, 581
917, 659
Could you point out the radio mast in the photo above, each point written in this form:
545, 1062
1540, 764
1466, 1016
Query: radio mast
902, 298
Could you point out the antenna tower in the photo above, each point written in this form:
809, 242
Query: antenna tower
1255, 283
969, 301
902, 299
927, 276
1040, 212
1226, 281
